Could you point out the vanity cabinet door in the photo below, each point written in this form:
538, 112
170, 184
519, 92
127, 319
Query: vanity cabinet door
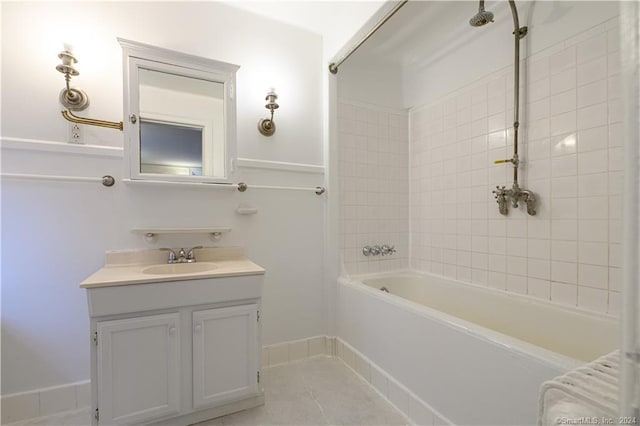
138, 366
225, 354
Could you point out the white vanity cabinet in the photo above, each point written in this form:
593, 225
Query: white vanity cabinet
225, 361
138, 363
175, 352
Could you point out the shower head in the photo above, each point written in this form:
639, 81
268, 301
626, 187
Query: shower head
482, 17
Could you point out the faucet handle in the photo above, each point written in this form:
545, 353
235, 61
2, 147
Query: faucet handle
172, 254
386, 249
191, 256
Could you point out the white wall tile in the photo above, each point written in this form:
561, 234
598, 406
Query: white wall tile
566, 165
615, 303
19, 407
564, 272
593, 208
419, 413
592, 116
567, 294
593, 162
537, 268
564, 229
562, 81
83, 395
593, 70
539, 249
562, 60
593, 253
398, 397
593, 230
592, 93
564, 250
298, 350
593, 276
593, 139
594, 47
593, 184
363, 368
379, 381
318, 346
517, 284
566, 123
540, 289
278, 354
563, 144
615, 279
591, 298
561, 103
57, 400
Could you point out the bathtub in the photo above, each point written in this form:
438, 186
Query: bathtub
475, 356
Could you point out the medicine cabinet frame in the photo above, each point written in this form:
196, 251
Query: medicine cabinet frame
138, 56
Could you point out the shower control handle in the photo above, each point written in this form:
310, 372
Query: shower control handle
386, 249
371, 251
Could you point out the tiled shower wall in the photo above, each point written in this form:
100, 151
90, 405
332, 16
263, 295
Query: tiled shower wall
571, 152
374, 186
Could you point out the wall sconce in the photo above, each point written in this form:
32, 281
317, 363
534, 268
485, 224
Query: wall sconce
266, 126
72, 98
75, 99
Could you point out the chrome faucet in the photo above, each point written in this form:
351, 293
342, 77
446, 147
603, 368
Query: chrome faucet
191, 257
377, 250
371, 251
172, 255
182, 256
514, 194
386, 249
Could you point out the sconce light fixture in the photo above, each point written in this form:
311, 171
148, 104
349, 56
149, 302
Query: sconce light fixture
72, 98
75, 99
266, 126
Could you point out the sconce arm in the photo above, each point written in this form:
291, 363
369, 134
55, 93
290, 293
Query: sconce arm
68, 115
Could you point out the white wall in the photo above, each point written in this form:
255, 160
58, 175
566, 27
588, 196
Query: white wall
371, 83
336, 21
55, 234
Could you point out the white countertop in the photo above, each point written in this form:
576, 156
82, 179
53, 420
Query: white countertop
125, 267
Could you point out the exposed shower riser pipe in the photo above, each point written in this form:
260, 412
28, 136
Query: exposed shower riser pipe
516, 87
515, 193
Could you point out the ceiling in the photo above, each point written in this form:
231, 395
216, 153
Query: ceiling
425, 30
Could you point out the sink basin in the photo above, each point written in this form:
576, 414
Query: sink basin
179, 268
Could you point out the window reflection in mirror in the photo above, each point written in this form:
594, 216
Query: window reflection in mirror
181, 125
167, 148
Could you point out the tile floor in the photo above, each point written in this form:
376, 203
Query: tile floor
313, 391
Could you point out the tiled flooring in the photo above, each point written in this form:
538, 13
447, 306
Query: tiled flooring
314, 391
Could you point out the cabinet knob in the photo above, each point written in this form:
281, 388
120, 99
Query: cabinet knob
172, 330
198, 327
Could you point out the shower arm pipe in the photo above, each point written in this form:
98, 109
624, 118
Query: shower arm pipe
333, 66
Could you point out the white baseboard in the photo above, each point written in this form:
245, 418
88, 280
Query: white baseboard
45, 402
74, 396
405, 401
294, 350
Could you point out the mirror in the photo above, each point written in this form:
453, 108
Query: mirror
181, 112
